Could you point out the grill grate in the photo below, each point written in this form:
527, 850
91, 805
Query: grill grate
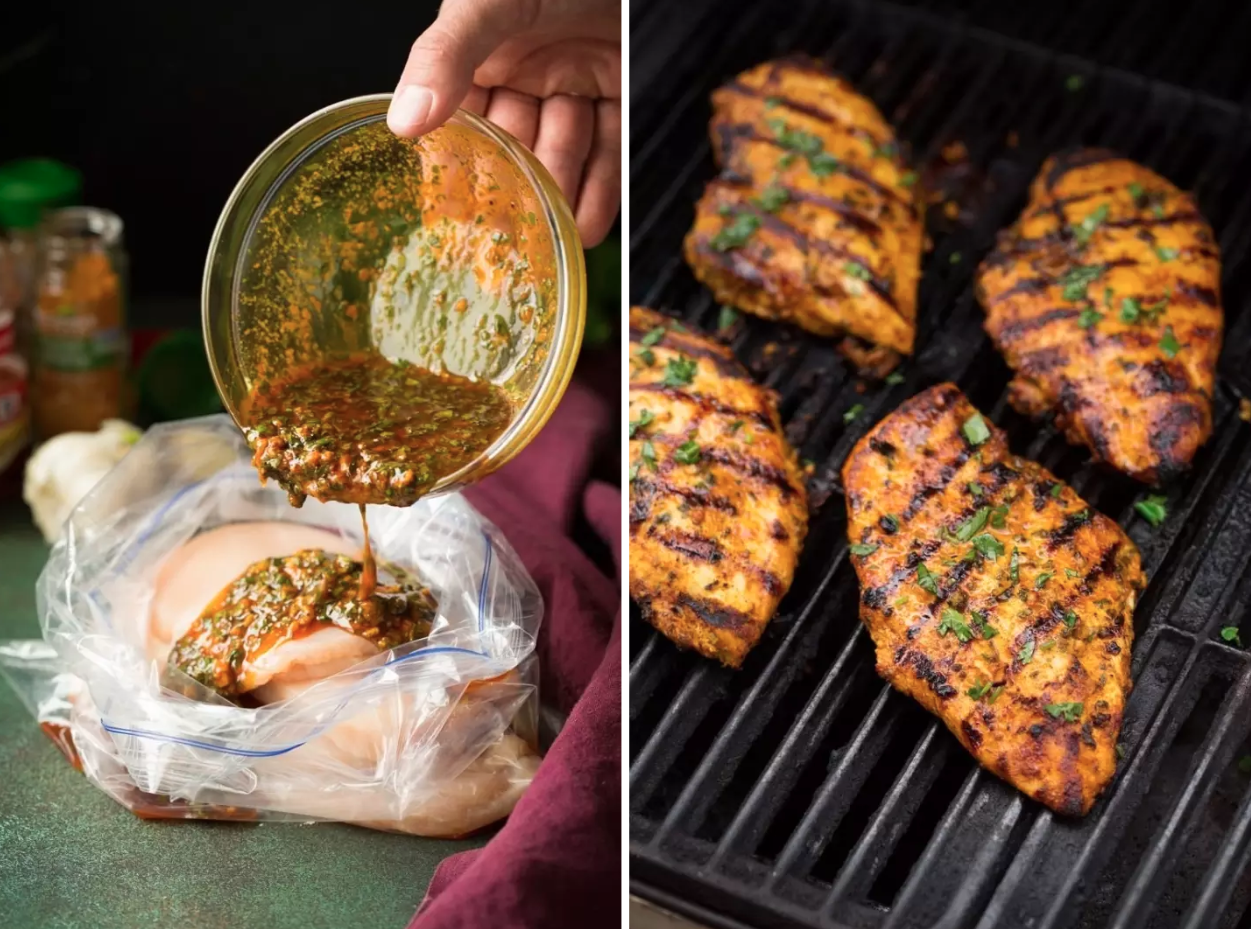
801, 790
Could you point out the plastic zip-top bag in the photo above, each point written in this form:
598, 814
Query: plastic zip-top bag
435, 737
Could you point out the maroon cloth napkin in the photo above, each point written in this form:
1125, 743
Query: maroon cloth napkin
557, 861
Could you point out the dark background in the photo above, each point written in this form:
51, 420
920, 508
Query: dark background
163, 106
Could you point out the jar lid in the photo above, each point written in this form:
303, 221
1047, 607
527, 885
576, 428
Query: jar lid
32, 185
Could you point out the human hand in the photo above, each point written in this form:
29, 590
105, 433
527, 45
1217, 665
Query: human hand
546, 71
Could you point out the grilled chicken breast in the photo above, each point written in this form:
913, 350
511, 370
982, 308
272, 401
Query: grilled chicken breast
815, 218
718, 510
1105, 299
996, 598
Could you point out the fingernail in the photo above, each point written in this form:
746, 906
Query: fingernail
409, 109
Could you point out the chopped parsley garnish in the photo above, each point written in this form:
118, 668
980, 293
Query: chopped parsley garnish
773, 197
1136, 191
953, 622
908, 178
994, 694
736, 426
653, 336
1131, 309
894, 378
973, 525
1014, 566
736, 233
858, 270
858, 549
975, 488
1086, 228
679, 372
1070, 712
1041, 581
634, 473
975, 429
1230, 634
1078, 279
644, 420
1070, 619
804, 143
1089, 317
1166, 254
1056, 490
771, 102
647, 356
889, 523
1153, 509
988, 545
1169, 344
649, 454
1026, 654
852, 412
1069, 572
999, 516
978, 620
726, 318
927, 580
687, 452
823, 164
980, 690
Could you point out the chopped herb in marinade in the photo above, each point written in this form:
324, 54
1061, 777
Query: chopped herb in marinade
988, 546
647, 356
1136, 191
853, 412
648, 454
1041, 581
980, 690
1166, 254
1070, 619
971, 526
889, 523
1131, 309
975, 488
1014, 566
894, 378
726, 318
1089, 317
1230, 634
1026, 653
908, 178
999, 516
1056, 490
857, 548
981, 625
858, 271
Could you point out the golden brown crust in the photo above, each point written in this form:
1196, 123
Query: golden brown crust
815, 167
718, 509
1105, 299
1020, 640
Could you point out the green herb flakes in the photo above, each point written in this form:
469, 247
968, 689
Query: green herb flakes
726, 318
857, 548
1230, 634
647, 356
908, 178
980, 690
1166, 254
736, 233
1076, 280
648, 453
1153, 509
894, 378
1056, 490
1069, 712
1041, 581
927, 580
858, 271
1070, 619
1169, 344
687, 452
853, 412
772, 198
1026, 654
952, 621
988, 546
653, 336
1089, 317
979, 621
975, 430
999, 516
679, 372
1086, 228
645, 419
974, 524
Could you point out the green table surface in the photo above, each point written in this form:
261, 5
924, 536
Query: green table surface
70, 857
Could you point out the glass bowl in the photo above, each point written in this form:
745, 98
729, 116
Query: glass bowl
456, 252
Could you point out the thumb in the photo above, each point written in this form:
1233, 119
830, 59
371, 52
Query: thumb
441, 63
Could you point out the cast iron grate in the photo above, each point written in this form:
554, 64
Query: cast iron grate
801, 790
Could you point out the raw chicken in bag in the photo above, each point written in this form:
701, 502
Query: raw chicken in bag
436, 736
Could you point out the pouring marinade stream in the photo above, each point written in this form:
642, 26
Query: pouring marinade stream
357, 429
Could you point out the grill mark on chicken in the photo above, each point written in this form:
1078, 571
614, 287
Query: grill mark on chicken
745, 132
1015, 330
1161, 377
1020, 641
717, 504
704, 402
790, 103
857, 218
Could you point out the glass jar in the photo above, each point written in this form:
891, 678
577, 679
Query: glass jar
79, 322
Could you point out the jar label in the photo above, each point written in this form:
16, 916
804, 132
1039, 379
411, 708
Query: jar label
14, 416
103, 348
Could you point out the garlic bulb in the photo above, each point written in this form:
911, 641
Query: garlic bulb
64, 468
